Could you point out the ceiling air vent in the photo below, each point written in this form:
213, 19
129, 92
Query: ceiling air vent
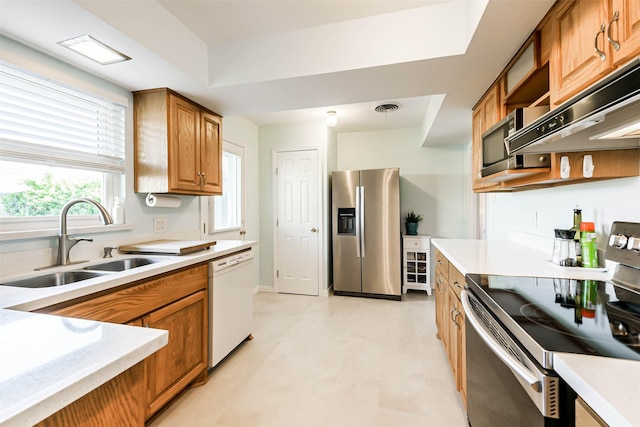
385, 108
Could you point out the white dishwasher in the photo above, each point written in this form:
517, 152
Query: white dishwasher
231, 283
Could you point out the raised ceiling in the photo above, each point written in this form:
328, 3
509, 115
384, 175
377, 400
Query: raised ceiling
285, 61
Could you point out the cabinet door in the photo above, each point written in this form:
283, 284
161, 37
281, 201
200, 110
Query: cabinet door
211, 150
462, 356
625, 30
491, 110
487, 113
442, 285
586, 417
476, 145
184, 358
439, 304
578, 26
452, 331
184, 163
118, 402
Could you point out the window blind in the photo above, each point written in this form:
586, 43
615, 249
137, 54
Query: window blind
45, 122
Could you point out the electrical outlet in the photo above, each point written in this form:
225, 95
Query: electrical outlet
159, 225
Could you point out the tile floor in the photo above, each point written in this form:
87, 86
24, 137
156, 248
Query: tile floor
336, 361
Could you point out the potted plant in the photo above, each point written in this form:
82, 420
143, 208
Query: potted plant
411, 220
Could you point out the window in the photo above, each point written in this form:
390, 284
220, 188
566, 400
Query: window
57, 143
226, 211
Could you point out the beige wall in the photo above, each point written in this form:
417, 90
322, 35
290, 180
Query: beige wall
433, 181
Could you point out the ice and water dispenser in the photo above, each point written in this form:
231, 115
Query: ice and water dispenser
347, 221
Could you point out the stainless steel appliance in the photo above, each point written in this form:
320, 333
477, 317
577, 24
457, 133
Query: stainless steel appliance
366, 233
514, 325
604, 116
495, 153
231, 283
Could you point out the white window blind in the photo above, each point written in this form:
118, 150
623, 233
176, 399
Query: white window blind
45, 122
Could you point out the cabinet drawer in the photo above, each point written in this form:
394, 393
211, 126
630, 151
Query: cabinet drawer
136, 300
456, 280
412, 243
442, 265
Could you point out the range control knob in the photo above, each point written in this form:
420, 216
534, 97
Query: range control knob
619, 240
634, 243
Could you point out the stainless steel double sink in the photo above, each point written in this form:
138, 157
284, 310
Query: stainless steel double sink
67, 277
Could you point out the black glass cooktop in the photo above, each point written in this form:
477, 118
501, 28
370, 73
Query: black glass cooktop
564, 315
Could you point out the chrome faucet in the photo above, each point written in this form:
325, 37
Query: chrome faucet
65, 243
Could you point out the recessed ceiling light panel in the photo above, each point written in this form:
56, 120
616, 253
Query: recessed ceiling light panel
94, 49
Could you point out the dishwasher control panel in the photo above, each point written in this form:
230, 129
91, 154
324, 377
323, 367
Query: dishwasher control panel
232, 259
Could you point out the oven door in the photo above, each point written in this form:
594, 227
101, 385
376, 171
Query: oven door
505, 387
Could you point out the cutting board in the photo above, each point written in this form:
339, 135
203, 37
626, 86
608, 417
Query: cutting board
171, 247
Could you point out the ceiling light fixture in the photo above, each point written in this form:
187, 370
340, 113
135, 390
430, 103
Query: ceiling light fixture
94, 49
332, 118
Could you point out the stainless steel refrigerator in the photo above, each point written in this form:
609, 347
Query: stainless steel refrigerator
366, 233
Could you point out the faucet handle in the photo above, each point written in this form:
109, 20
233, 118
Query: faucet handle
107, 251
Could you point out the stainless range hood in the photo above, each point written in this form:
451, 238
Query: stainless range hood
605, 116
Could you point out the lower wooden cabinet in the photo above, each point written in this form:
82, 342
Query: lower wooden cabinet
118, 402
184, 358
176, 302
450, 318
586, 417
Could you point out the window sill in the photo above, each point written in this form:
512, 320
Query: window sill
52, 232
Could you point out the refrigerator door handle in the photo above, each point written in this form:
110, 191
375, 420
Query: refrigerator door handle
362, 236
358, 221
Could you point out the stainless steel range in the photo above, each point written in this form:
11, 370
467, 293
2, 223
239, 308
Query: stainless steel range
516, 324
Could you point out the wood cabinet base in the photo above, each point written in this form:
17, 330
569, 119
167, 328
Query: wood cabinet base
119, 402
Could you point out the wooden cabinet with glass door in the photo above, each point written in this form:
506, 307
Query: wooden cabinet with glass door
178, 145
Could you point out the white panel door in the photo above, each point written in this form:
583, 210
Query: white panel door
297, 222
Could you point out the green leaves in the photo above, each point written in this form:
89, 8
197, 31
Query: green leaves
411, 216
48, 195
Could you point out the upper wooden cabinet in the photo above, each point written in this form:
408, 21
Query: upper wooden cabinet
576, 44
487, 113
592, 37
624, 29
178, 145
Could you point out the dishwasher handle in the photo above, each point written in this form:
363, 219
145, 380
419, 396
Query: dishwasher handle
506, 358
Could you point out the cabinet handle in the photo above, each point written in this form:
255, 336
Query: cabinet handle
600, 53
201, 178
457, 285
614, 43
453, 318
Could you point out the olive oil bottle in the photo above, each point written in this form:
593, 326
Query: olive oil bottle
577, 219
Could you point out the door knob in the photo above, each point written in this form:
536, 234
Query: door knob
313, 230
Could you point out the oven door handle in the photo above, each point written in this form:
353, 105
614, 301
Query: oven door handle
497, 349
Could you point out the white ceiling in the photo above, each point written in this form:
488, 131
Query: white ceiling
287, 61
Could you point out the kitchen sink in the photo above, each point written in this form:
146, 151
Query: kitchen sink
54, 279
122, 264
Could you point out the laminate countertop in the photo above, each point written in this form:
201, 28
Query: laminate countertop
609, 386
48, 362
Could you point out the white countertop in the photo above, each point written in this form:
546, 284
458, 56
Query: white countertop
48, 362
609, 386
